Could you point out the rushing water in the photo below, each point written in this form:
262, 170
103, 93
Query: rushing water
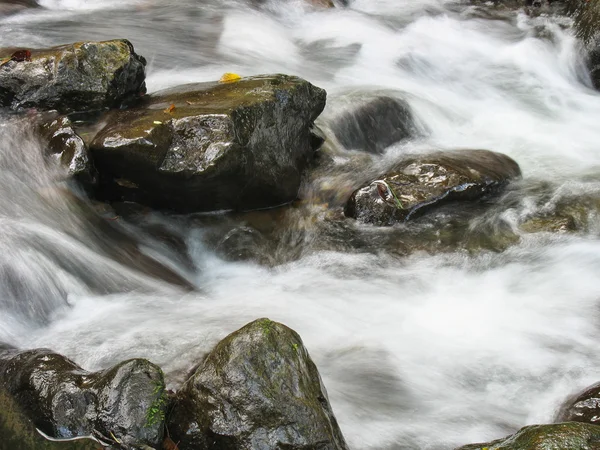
425, 351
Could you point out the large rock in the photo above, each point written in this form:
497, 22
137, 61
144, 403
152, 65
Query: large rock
364, 122
126, 402
18, 432
582, 407
258, 389
77, 77
63, 144
561, 436
419, 183
210, 146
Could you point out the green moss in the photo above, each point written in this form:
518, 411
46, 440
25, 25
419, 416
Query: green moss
156, 412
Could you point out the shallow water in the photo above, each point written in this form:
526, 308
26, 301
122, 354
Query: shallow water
419, 351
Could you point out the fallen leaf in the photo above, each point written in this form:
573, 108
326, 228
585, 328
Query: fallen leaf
170, 108
229, 77
157, 122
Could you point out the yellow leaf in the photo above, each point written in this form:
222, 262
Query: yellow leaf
229, 77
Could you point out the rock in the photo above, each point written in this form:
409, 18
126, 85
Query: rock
83, 76
257, 389
360, 121
593, 63
419, 183
561, 436
18, 432
64, 401
14, 6
202, 147
582, 407
64, 145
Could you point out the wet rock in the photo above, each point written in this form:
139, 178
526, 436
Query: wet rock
126, 402
419, 183
582, 407
14, 6
65, 146
77, 77
593, 62
361, 121
18, 432
257, 389
211, 146
570, 435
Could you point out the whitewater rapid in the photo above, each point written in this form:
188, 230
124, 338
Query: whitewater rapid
417, 352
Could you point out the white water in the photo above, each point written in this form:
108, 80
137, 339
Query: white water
419, 352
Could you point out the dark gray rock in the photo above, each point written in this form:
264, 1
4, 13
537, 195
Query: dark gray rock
14, 6
258, 389
419, 183
582, 407
64, 145
17, 432
561, 436
126, 402
77, 77
370, 123
201, 147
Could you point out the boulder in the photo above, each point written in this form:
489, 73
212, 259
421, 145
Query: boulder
62, 144
257, 389
582, 407
18, 432
422, 182
370, 123
125, 403
561, 436
210, 146
76, 77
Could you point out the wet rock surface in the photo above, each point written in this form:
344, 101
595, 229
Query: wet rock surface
582, 407
370, 122
210, 146
126, 402
68, 149
419, 183
257, 389
76, 77
14, 6
570, 435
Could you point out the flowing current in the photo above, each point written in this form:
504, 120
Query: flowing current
427, 350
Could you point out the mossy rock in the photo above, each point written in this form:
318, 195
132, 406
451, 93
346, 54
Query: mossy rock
77, 77
582, 407
560, 436
417, 184
18, 432
126, 402
210, 146
257, 389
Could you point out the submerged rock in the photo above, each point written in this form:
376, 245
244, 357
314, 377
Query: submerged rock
561, 436
368, 123
201, 147
419, 183
77, 77
14, 6
257, 389
64, 145
126, 402
582, 407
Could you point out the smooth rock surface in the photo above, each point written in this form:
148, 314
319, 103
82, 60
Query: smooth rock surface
369, 122
258, 389
64, 401
68, 149
202, 147
83, 76
561, 436
419, 183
